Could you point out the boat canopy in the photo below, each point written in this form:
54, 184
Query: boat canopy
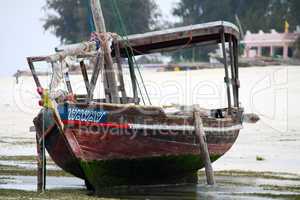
187, 36
170, 39
219, 32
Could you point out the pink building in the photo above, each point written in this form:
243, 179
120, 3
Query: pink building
269, 44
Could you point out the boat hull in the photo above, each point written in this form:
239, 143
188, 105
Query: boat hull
107, 154
158, 170
56, 144
116, 160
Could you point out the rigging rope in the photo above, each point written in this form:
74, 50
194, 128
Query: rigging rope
91, 24
131, 53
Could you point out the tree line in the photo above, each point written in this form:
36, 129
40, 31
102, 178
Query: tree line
254, 15
71, 20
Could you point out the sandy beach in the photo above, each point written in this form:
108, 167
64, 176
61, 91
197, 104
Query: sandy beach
272, 145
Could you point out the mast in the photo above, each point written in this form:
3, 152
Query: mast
98, 16
110, 82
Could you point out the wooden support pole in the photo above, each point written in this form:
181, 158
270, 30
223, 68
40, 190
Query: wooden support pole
133, 79
111, 75
233, 82
203, 146
41, 159
105, 85
98, 15
68, 82
97, 68
33, 72
85, 77
40, 183
227, 81
109, 70
236, 67
120, 71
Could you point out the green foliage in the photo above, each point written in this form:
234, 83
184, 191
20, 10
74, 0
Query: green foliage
67, 22
259, 158
70, 19
254, 15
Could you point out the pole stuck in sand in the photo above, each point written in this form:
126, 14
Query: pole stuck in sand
41, 160
203, 146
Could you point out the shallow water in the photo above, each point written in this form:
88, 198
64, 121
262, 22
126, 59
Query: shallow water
271, 92
29, 183
226, 188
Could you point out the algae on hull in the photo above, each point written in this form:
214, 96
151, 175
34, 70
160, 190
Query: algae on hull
149, 171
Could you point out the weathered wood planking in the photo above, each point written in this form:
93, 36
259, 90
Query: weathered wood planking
157, 41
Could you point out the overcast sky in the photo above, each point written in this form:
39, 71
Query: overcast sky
22, 34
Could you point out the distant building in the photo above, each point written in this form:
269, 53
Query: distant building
271, 44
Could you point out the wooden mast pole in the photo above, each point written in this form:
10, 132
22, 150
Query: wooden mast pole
98, 16
109, 75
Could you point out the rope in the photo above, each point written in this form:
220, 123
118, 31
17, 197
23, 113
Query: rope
91, 23
131, 53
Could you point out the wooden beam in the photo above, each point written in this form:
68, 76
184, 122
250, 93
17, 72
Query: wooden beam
85, 77
109, 69
33, 72
236, 67
99, 64
227, 81
232, 69
120, 70
111, 75
133, 78
105, 85
199, 130
83, 49
68, 82
40, 169
41, 158
98, 15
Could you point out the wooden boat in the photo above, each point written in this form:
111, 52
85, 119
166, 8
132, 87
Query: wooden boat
118, 142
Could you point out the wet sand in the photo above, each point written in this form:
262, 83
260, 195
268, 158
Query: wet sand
230, 185
272, 145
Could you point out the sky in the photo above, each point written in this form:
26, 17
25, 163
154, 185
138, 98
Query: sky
22, 34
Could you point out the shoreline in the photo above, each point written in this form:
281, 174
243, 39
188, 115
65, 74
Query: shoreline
253, 164
234, 184
18, 168
244, 63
